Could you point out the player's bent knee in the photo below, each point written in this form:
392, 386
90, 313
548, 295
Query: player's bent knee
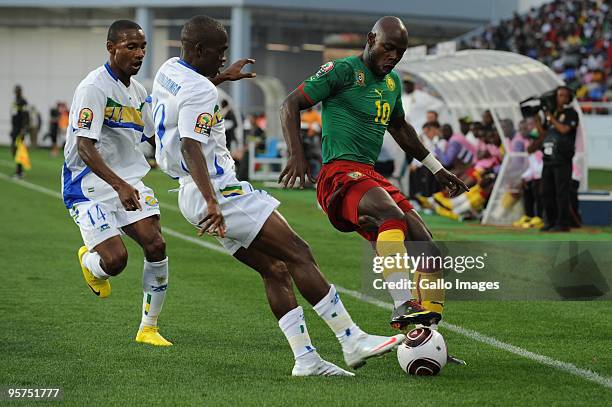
391, 213
416, 228
155, 249
384, 213
278, 271
279, 268
115, 263
301, 250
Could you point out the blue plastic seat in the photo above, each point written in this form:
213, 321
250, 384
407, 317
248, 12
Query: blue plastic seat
271, 149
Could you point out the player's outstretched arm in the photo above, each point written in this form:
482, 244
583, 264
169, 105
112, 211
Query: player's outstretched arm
129, 196
213, 222
297, 166
407, 138
234, 72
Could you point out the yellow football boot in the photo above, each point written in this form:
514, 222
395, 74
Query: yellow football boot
521, 222
443, 200
447, 213
424, 202
536, 222
150, 335
98, 286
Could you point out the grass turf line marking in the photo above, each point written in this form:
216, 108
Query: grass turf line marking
477, 336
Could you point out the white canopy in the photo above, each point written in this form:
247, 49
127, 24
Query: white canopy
472, 81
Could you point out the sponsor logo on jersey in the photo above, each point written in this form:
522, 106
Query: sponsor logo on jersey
123, 117
355, 174
360, 78
104, 227
390, 83
85, 118
325, 68
151, 201
378, 92
203, 124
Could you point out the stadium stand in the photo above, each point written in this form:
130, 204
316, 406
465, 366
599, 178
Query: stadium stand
573, 37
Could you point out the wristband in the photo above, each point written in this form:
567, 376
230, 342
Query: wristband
432, 163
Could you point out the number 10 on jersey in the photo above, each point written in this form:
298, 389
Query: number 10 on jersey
382, 112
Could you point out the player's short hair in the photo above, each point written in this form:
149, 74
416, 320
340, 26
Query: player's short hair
201, 29
118, 27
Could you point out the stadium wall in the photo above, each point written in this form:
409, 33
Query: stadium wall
599, 141
49, 62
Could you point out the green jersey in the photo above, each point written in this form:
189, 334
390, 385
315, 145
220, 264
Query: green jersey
357, 107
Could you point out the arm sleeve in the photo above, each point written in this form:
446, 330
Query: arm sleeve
147, 118
571, 118
197, 115
331, 77
87, 113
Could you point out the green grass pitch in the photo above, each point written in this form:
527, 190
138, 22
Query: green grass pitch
228, 349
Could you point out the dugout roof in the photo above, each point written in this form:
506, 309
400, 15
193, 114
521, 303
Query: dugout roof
472, 81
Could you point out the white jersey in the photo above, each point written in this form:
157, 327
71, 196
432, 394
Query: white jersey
118, 118
186, 104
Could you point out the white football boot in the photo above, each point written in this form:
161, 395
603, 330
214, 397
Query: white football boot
364, 346
316, 366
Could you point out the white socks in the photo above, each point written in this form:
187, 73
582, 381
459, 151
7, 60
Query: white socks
332, 311
293, 326
91, 260
154, 284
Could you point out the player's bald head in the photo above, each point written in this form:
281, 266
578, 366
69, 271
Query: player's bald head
202, 29
204, 42
387, 42
391, 28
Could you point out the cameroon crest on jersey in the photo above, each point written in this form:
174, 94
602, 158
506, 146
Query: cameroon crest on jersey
390, 83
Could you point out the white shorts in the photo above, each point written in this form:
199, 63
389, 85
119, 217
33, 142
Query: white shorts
99, 220
244, 209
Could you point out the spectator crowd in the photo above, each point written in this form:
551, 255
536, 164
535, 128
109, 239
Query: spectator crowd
573, 37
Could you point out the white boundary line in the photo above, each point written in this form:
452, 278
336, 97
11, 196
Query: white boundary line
477, 336
545, 360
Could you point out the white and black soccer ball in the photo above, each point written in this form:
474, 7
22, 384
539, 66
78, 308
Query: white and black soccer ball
422, 353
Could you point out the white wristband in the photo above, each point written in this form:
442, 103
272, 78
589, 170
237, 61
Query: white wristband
432, 163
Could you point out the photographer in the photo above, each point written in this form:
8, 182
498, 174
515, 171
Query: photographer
557, 137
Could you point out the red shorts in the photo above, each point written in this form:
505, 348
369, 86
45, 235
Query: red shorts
340, 187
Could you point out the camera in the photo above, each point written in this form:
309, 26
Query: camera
532, 105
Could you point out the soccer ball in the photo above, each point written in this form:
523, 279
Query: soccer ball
422, 353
